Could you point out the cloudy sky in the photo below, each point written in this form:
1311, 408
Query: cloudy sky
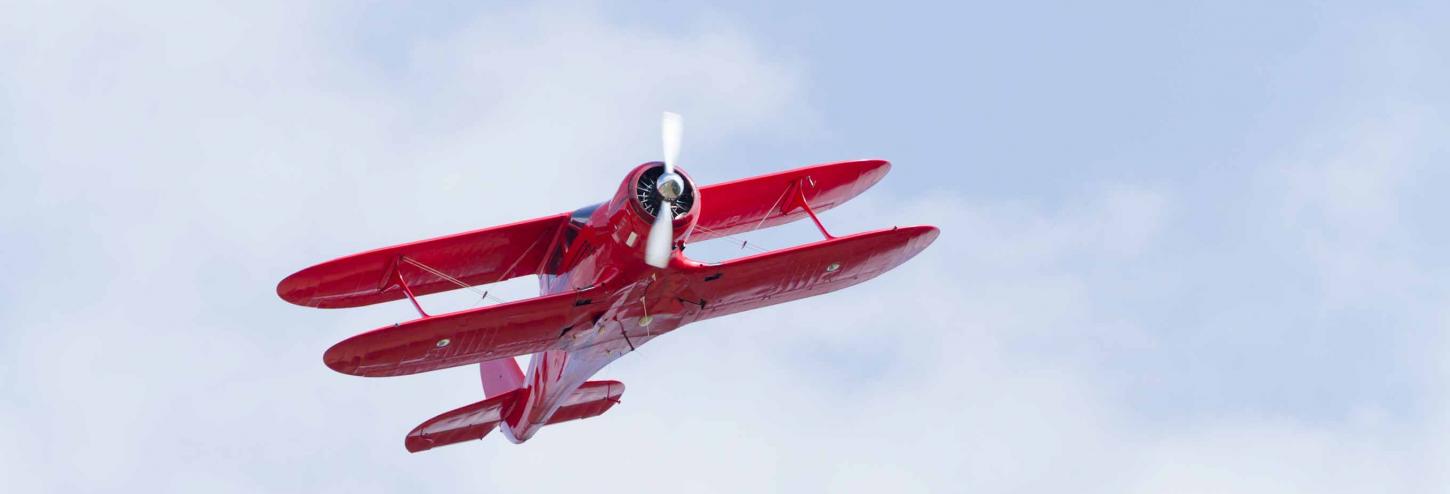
1185, 248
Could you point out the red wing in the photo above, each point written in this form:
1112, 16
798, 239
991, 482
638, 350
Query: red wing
743, 205
463, 424
804, 271
477, 257
465, 337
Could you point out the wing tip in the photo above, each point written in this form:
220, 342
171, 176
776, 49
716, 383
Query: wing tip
339, 359
416, 443
921, 237
306, 288
291, 290
873, 173
929, 231
925, 234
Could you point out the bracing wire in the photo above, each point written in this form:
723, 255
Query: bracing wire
482, 294
743, 242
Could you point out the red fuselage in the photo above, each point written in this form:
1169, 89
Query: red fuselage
603, 248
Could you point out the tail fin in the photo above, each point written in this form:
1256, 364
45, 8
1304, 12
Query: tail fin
500, 376
477, 420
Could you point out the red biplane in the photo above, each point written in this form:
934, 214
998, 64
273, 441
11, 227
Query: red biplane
612, 277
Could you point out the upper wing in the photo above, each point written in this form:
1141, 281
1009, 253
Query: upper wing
464, 337
478, 257
798, 272
768, 200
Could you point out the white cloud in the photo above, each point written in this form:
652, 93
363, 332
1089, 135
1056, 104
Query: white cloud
1354, 202
168, 167
171, 166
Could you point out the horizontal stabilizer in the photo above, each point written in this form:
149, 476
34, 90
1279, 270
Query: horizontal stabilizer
590, 400
477, 420
464, 424
478, 257
466, 337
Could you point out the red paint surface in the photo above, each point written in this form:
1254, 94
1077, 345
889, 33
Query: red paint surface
478, 257
596, 293
741, 205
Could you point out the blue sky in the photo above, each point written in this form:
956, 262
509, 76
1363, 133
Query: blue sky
1188, 248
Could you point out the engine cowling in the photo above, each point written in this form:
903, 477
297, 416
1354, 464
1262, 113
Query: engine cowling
639, 199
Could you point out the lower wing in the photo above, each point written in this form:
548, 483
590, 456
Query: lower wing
467, 337
803, 271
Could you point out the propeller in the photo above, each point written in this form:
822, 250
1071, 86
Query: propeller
670, 186
671, 127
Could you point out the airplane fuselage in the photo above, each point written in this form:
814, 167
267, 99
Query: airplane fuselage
603, 247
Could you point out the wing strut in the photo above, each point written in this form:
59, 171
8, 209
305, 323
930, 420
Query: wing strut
397, 278
800, 195
398, 274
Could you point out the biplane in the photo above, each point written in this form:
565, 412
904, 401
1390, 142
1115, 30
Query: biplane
612, 277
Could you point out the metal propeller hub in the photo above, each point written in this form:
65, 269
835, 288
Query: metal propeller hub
670, 186
651, 187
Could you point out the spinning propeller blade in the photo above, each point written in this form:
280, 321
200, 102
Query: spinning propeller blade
672, 127
662, 233
657, 246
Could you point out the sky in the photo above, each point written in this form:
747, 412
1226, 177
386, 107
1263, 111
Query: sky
1185, 248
